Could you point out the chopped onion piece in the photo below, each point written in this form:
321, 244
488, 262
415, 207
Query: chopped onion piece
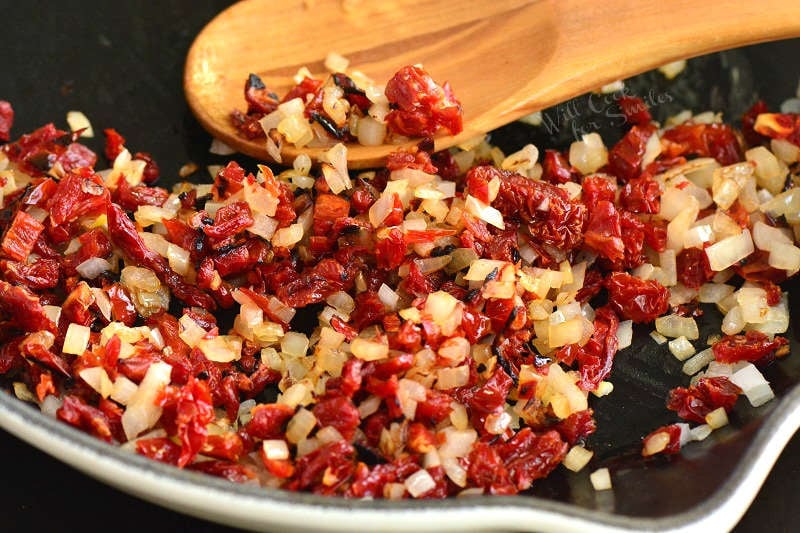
753, 385
717, 418
730, 251
143, 411
300, 426
484, 212
97, 378
577, 458
76, 339
681, 348
699, 361
368, 350
701, 432
221, 349
457, 442
588, 154
675, 326
601, 479
93, 267
419, 483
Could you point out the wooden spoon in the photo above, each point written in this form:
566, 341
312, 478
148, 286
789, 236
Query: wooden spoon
503, 58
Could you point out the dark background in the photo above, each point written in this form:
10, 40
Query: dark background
121, 63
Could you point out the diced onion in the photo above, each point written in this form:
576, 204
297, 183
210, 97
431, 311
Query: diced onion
675, 326
76, 339
717, 418
143, 411
601, 479
300, 426
93, 267
577, 458
730, 251
697, 362
419, 483
457, 442
368, 350
275, 449
681, 348
753, 385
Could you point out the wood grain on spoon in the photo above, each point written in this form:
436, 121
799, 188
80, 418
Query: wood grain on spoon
504, 58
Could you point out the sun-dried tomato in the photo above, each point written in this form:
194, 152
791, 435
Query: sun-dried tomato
80, 193
131, 198
267, 420
693, 267
45, 385
703, 397
706, 140
603, 231
751, 346
229, 220
751, 136
77, 304
596, 357
325, 469
234, 472
23, 309
303, 89
673, 445
487, 470
597, 188
413, 158
10, 357
488, 398
42, 274
327, 209
115, 143
551, 217
162, 449
338, 412
641, 195
21, 236
637, 299
774, 292
625, 157
577, 426
556, 168
528, 456
370, 481
228, 446
390, 250
6, 120
635, 110
420, 107
259, 99
77, 413
192, 409
757, 268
